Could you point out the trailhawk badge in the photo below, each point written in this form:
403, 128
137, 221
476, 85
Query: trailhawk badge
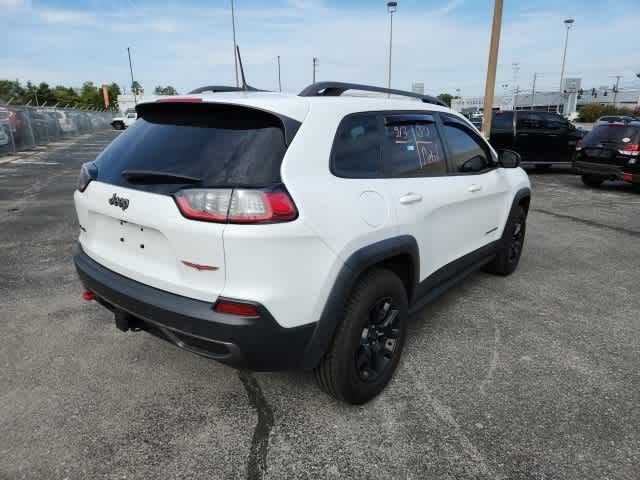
117, 201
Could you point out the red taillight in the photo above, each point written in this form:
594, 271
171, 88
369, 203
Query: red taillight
88, 295
632, 149
236, 308
88, 172
627, 177
239, 205
256, 206
207, 205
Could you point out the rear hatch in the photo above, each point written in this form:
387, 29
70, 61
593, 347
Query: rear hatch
129, 215
611, 143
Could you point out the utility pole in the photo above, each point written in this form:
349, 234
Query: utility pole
490, 85
615, 90
533, 92
133, 90
235, 53
315, 67
516, 69
279, 78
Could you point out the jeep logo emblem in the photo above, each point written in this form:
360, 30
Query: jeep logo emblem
117, 201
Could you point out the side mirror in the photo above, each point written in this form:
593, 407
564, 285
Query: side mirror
509, 159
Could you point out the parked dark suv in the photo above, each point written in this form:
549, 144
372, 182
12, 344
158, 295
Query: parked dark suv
541, 138
610, 151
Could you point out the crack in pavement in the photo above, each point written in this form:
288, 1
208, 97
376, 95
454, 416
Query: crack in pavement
257, 462
591, 223
493, 363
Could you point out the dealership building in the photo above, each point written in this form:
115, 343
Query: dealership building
570, 100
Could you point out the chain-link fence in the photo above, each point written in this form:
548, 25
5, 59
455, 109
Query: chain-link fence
26, 127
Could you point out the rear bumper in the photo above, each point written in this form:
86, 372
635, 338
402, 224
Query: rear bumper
257, 343
599, 169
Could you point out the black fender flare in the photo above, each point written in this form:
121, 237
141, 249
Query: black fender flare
357, 263
517, 198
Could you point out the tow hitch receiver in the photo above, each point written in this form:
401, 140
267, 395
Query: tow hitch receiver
125, 321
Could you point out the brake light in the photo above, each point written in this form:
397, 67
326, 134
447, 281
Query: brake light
236, 308
88, 172
627, 177
631, 149
238, 205
209, 205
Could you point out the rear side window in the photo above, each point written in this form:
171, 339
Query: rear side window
502, 122
356, 149
468, 153
555, 122
613, 134
530, 121
221, 145
412, 147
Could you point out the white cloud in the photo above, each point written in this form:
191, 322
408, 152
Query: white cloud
69, 17
449, 7
13, 4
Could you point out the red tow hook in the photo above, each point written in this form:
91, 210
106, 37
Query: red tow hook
88, 295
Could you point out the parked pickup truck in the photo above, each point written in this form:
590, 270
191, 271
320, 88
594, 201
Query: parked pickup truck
120, 123
541, 138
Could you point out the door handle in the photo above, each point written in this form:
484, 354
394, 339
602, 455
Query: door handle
410, 198
475, 188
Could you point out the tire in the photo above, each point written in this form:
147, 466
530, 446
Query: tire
368, 343
118, 126
592, 180
511, 244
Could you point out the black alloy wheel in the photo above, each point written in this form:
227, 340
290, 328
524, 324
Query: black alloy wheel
378, 340
517, 240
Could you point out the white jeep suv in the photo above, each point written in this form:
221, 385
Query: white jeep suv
274, 232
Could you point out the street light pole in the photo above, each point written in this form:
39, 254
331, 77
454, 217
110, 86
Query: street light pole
133, 90
316, 62
279, 78
489, 88
533, 92
391, 7
615, 89
568, 23
235, 53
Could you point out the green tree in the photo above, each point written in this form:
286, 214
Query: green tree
168, 90
64, 95
114, 91
591, 113
11, 89
90, 96
136, 88
447, 97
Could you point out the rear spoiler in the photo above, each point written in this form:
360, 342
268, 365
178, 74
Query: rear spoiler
289, 125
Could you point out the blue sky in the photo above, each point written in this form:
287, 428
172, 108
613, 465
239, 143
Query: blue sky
441, 43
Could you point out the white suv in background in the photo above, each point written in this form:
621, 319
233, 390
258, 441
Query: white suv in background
274, 232
120, 123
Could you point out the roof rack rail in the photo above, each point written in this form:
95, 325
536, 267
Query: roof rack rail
223, 88
335, 89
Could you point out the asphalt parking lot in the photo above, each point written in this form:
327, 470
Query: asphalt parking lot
534, 376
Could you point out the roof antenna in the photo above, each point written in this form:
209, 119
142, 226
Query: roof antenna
245, 87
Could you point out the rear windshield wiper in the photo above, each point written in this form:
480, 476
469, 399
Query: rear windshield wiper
152, 176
